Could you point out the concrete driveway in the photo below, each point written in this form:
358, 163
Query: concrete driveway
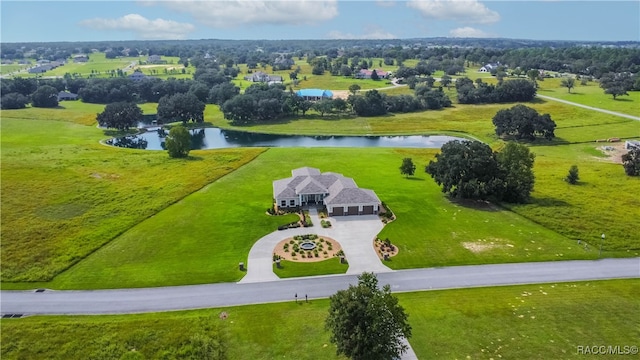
354, 233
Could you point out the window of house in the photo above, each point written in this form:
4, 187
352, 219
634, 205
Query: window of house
292, 203
283, 203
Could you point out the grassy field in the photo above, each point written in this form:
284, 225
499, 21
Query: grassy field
65, 195
514, 322
99, 66
215, 231
574, 125
592, 95
291, 269
9, 68
62, 183
325, 81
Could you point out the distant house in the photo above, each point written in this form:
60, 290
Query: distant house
260, 76
40, 69
489, 67
65, 95
137, 76
632, 144
366, 74
80, 58
155, 59
24, 62
314, 94
340, 194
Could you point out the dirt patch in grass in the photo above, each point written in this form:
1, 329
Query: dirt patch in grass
340, 94
288, 255
613, 151
483, 245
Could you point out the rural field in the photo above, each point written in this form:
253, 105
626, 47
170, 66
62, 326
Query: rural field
101, 67
82, 206
511, 322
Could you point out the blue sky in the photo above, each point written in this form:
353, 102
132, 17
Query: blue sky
43, 21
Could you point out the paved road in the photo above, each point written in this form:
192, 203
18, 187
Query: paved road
591, 108
227, 294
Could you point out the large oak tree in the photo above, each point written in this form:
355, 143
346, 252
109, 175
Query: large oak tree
120, 115
366, 322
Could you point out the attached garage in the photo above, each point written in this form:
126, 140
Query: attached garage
337, 211
367, 210
353, 210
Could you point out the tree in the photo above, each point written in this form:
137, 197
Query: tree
616, 84
323, 106
366, 322
178, 142
374, 75
523, 122
631, 162
572, 178
533, 75
45, 97
120, 115
354, 88
466, 169
515, 162
408, 168
445, 80
568, 83
183, 107
13, 101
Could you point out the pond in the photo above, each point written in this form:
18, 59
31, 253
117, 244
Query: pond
215, 138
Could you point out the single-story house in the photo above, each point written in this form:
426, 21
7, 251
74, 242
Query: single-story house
489, 67
40, 69
632, 144
340, 194
65, 95
137, 76
314, 94
260, 76
366, 74
80, 58
156, 59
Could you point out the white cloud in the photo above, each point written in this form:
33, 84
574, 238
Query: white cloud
468, 32
466, 11
143, 27
229, 14
370, 32
387, 4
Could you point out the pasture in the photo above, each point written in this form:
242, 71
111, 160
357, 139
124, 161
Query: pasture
66, 196
511, 322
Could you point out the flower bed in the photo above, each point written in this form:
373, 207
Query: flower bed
289, 249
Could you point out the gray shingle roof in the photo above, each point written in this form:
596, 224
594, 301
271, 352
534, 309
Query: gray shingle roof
307, 180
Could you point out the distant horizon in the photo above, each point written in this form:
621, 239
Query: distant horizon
294, 39
276, 20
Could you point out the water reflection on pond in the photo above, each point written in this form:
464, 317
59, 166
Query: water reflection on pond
215, 138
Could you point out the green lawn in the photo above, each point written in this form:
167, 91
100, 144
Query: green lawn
99, 66
9, 68
215, 231
64, 195
574, 125
291, 269
512, 322
592, 95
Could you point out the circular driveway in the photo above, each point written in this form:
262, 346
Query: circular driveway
354, 233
